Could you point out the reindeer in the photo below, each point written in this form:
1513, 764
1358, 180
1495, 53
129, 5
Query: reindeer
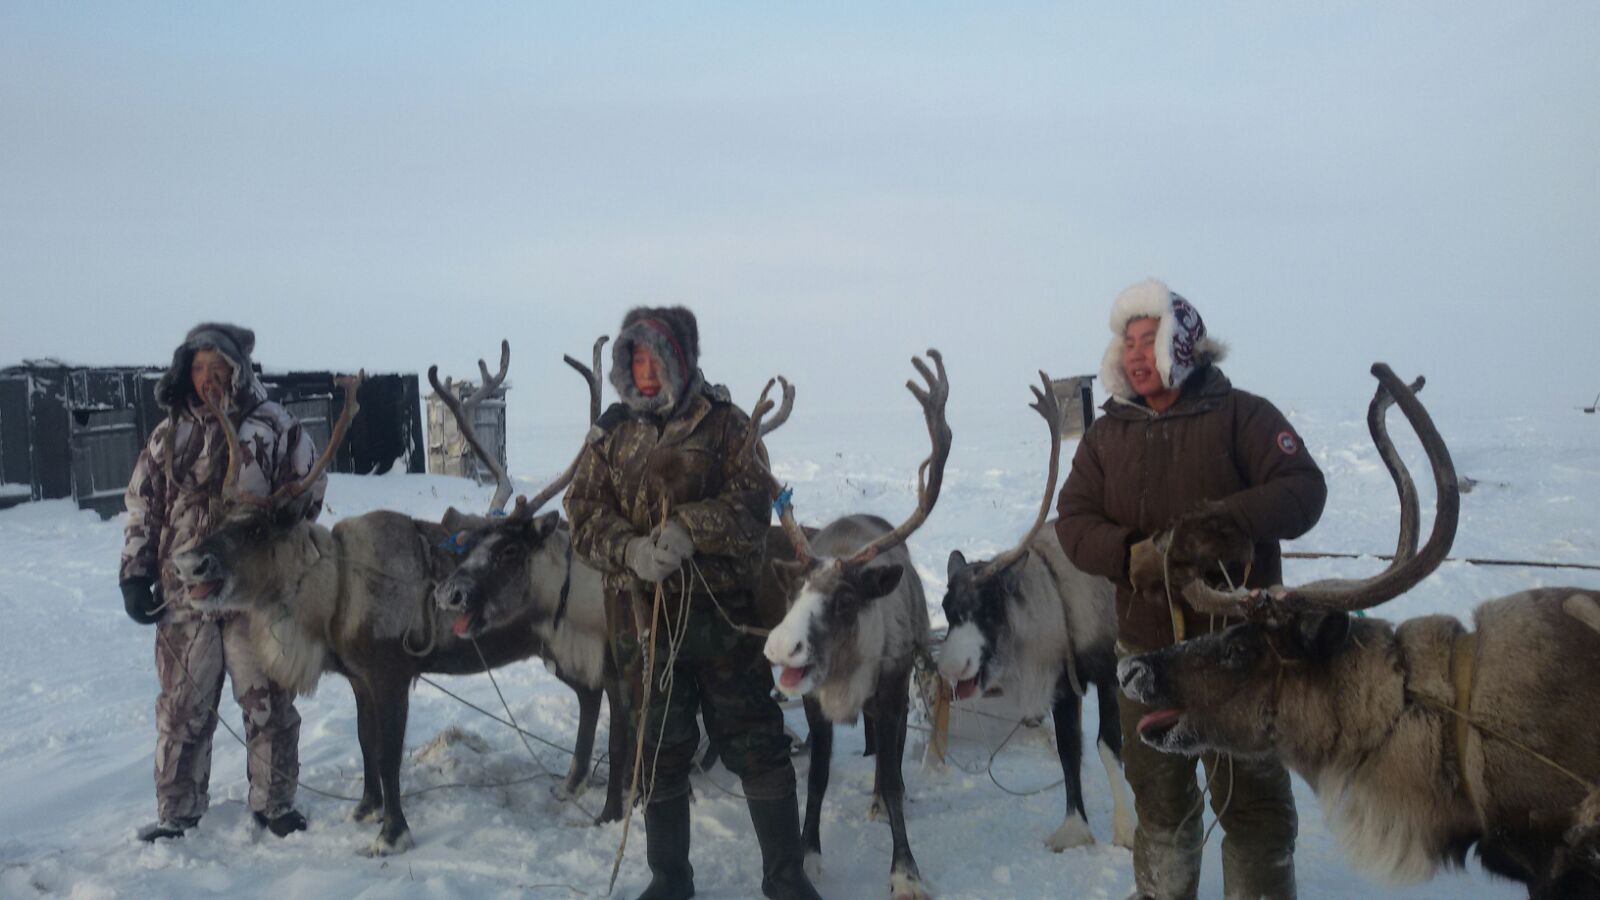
1029, 623
525, 562
356, 599
1421, 739
856, 625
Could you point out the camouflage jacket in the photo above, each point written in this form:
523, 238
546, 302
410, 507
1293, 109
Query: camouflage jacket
633, 463
171, 510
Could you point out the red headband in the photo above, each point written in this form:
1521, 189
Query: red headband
661, 327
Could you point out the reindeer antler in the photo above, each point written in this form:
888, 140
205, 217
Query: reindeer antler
1402, 574
230, 481
528, 506
930, 475
462, 411
1048, 406
753, 435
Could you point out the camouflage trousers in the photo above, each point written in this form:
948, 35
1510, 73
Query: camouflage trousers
1250, 797
191, 659
718, 671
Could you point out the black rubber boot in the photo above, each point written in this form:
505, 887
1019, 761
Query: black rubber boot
783, 872
666, 839
283, 824
167, 828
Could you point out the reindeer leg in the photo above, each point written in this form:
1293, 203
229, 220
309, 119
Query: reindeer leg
893, 700
617, 749
1104, 678
370, 808
393, 705
1068, 715
588, 718
821, 738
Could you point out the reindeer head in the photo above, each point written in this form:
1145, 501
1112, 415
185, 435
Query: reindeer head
978, 595
822, 632
262, 543
490, 586
1224, 691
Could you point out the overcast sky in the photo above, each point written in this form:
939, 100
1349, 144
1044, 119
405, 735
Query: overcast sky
832, 187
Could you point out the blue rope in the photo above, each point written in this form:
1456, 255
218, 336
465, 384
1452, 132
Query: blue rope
454, 544
785, 500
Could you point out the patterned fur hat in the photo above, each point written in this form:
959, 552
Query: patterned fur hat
673, 336
234, 342
1182, 346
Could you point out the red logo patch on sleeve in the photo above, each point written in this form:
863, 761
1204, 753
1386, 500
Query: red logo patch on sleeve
1287, 443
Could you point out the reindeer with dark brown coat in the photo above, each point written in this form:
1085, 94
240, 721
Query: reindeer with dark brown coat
1421, 739
357, 599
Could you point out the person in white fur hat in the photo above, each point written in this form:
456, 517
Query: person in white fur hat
1178, 440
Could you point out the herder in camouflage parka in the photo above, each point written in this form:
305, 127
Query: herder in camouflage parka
663, 496
174, 500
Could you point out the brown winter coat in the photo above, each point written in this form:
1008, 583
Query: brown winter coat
1136, 470
633, 463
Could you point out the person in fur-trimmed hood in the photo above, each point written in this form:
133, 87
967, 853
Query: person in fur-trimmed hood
1178, 439
174, 500
665, 502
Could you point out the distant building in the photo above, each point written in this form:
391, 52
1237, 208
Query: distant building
448, 452
1076, 395
76, 431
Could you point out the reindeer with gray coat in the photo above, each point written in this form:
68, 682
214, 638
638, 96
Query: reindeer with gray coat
356, 599
857, 624
1421, 739
1030, 625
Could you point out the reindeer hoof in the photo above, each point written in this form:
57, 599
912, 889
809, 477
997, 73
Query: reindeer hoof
907, 886
565, 792
876, 812
1074, 832
383, 846
813, 865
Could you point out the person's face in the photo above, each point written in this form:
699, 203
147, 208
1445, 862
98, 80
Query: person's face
646, 371
1139, 357
210, 373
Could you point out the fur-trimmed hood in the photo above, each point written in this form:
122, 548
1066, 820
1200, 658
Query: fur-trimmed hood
673, 336
175, 390
1182, 346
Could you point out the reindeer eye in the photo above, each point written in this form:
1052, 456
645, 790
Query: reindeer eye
510, 551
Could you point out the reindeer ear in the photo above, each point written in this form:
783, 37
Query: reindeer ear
789, 573
956, 564
1013, 571
542, 527
1320, 633
285, 515
877, 581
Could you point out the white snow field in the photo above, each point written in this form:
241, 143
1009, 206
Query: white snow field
77, 690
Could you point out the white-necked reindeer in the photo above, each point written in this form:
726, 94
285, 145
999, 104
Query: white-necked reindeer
857, 623
1030, 624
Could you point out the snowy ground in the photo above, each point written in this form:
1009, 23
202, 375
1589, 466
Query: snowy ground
77, 687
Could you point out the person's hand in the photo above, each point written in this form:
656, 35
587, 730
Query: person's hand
1146, 565
674, 539
650, 562
142, 600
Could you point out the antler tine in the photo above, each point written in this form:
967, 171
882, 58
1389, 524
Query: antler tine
230, 479
755, 430
1401, 575
783, 410
530, 505
1378, 427
930, 474
461, 410
1047, 405
350, 385
591, 374
754, 450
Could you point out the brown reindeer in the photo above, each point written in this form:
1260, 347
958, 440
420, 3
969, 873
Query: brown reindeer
856, 625
1421, 739
357, 599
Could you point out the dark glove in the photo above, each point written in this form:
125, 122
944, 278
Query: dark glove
142, 599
